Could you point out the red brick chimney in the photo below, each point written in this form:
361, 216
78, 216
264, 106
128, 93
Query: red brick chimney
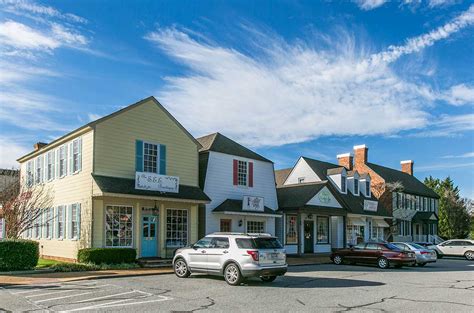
407, 166
345, 160
360, 156
39, 145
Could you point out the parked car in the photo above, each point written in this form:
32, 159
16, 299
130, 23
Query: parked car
381, 254
423, 255
455, 247
236, 256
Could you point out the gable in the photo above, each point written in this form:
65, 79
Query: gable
300, 170
324, 198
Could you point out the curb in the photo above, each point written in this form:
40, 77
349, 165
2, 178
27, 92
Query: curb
38, 271
114, 276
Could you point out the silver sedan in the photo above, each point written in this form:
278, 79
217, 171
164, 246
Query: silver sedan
423, 255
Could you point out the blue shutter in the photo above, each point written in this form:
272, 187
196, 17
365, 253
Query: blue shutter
139, 156
69, 221
78, 212
162, 159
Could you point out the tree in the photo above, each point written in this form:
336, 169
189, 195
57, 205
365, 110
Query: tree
22, 205
453, 212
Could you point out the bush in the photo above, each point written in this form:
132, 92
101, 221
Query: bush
17, 255
81, 267
107, 255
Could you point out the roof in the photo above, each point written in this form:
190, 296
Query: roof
119, 185
410, 183
294, 196
320, 167
104, 118
424, 217
219, 143
334, 171
231, 205
281, 175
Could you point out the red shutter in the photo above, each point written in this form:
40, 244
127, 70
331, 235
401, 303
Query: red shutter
235, 172
250, 174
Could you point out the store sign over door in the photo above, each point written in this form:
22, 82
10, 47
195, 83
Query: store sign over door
156, 182
250, 203
370, 205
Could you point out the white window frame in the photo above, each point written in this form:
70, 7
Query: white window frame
328, 230
368, 191
344, 177
39, 169
239, 162
288, 217
74, 222
132, 222
254, 221
60, 222
157, 156
64, 149
48, 223
168, 210
76, 144
49, 164
301, 180
30, 177
354, 186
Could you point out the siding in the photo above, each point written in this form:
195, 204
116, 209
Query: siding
74, 188
302, 169
115, 143
219, 187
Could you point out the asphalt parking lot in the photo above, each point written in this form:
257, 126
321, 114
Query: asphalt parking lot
446, 286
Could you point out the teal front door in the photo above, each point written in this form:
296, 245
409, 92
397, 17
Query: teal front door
149, 236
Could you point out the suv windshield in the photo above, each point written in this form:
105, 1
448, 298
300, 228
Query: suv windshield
258, 243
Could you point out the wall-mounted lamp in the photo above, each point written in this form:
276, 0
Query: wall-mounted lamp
310, 216
240, 223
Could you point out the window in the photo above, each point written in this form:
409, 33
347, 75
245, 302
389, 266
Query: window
50, 165
372, 246
36, 227
377, 233
394, 200
367, 188
432, 205
176, 227
343, 183
203, 243
150, 157
242, 173
29, 173
359, 246
60, 217
354, 233
255, 227
300, 180
75, 221
62, 161
356, 186
38, 169
322, 224
226, 225
48, 222
244, 243
118, 226
76, 155
2, 228
291, 234
400, 200
267, 243
220, 243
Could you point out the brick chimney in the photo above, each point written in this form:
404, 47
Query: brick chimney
407, 166
39, 145
345, 160
360, 155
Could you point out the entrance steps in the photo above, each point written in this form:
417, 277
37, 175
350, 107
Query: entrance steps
154, 262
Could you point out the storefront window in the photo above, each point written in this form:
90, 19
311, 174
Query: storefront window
355, 234
291, 234
118, 226
255, 227
323, 229
176, 227
377, 233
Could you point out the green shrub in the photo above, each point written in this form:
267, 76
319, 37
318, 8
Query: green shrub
107, 255
17, 255
82, 267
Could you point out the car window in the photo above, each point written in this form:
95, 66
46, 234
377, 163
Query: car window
372, 246
220, 242
203, 243
449, 243
417, 246
359, 246
467, 243
268, 243
245, 243
391, 246
401, 246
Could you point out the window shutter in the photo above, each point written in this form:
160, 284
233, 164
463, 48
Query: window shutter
53, 165
41, 230
45, 166
162, 159
250, 174
56, 222
63, 209
70, 159
78, 212
69, 221
235, 172
79, 157
56, 164
139, 156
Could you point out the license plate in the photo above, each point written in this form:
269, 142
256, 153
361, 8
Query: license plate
274, 255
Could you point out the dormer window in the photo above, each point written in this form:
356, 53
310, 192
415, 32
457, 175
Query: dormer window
343, 184
367, 188
356, 186
300, 180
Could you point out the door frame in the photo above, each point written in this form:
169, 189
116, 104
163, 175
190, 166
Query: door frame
157, 223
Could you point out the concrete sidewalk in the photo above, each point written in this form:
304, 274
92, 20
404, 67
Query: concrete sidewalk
44, 278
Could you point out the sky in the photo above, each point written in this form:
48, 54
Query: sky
285, 78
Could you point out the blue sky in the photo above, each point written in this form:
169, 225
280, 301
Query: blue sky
287, 78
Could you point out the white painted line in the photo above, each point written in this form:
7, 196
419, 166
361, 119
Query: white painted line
118, 303
35, 290
105, 297
59, 298
50, 293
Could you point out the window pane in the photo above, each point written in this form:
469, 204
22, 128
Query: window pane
291, 235
118, 224
323, 229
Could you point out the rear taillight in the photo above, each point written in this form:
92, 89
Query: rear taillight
425, 252
253, 254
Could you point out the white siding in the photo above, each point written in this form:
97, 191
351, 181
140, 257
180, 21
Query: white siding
302, 170
219, 187
324, 195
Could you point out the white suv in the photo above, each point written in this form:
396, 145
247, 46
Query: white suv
235, 255
455, 247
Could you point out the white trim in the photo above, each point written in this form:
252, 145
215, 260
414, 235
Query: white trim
247, 214
343, 155
188, 225
157, 156
406, 161
131, 196
359, 147
105, 228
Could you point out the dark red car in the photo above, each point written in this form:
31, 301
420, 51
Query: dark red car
381, 254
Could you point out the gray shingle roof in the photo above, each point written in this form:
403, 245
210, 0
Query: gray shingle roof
281, 175
295, 196
410, 183
127, 186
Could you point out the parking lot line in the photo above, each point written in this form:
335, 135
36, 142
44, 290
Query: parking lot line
109, 296
49, 293
65, 297
118, 303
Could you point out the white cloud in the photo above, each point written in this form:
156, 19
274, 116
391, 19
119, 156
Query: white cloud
459, 95
8, 156
416, 44
93, 116
288, 93
443, 166
448, 126
370, 4
440, 3
462, 156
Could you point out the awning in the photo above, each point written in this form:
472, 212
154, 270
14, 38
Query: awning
356, 221
234, 207
380, 223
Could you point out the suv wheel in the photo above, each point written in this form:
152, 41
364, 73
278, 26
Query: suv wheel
337, 259
181, 268
268, 279
469, 255
232, 275
382, 263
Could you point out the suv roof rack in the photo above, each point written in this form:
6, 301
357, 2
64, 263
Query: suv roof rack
242, 234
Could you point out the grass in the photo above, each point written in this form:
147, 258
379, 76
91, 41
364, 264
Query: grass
58, 266
45, 263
